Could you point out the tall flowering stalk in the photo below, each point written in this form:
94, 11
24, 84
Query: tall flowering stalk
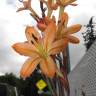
44, 48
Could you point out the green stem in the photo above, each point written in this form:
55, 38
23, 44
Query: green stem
50, 10
49, 86
61, 10
33, 12
53, 86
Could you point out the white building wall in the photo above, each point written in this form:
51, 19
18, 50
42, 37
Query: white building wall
83, 77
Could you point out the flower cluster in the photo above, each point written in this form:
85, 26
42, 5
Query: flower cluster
41, 48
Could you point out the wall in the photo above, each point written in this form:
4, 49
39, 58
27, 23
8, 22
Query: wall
83, 77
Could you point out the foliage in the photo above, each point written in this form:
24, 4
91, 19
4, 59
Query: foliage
25, 87
89, 35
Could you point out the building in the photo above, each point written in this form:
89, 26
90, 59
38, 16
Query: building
82, 79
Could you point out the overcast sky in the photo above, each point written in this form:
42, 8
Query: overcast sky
12, 27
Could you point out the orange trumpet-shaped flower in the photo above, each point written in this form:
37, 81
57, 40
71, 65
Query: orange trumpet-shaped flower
43, 23
65, 32
40, 50
66, 2
53, 6
50, 4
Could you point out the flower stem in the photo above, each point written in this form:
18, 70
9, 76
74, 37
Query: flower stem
61, 10
50, 10
49, 85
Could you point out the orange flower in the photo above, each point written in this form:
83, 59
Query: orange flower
53, 6
66, 2
40, 50
65, 32
44, 22
50, 4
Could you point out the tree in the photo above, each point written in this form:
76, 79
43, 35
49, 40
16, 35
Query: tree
25, 87
89, 35
9, 79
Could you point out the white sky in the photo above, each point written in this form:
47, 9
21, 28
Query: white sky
12, 31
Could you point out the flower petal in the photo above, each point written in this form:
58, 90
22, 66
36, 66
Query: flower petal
58, 46
73, 39
29, 66
62, 23
41, 26
47, 20
64, 19
49, 37
48, 67
73, 4
31, 34
72, 29
71, 1
25, 49
68, 2
20, 9
51, 5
